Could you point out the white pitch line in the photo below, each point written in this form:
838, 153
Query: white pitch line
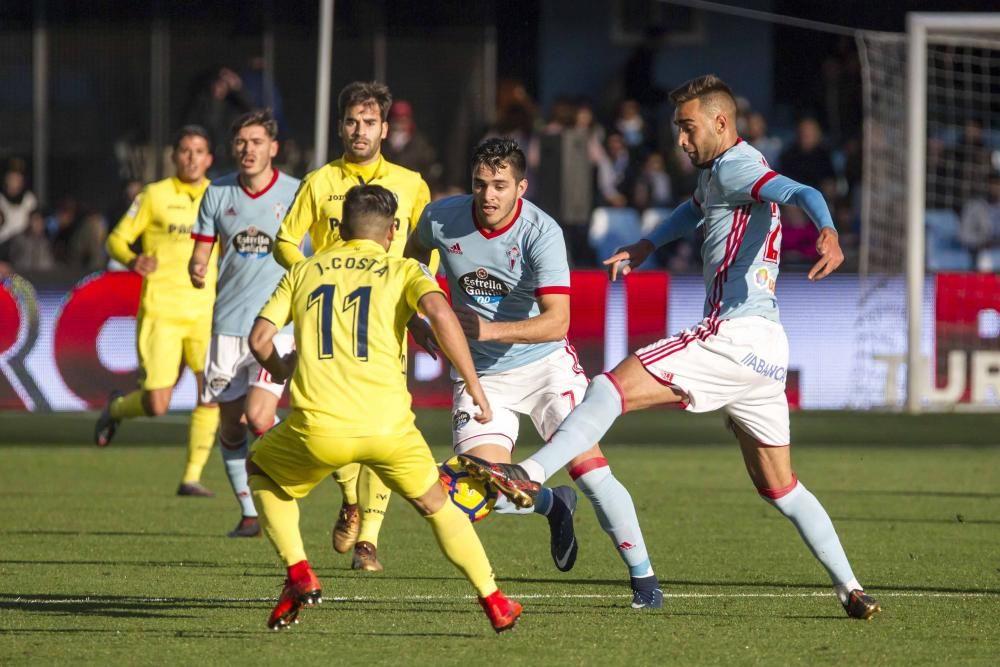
529, 596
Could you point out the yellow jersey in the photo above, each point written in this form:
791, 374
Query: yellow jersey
318, 205
163, 214
350, 305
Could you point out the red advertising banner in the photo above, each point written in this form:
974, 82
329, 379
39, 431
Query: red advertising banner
967, 337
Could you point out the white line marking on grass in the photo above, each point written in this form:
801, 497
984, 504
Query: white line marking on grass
527, 596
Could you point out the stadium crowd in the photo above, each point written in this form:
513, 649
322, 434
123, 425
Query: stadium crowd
606, 169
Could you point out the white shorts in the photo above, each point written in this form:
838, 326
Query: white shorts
738, 365
546, 390
230, 368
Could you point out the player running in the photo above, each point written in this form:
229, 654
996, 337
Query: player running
243, 211
174, 320
318, 207
734, 359
350, 403
509, 279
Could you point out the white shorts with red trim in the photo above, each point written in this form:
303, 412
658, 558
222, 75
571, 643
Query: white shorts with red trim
738, 365
546, 390
230, 368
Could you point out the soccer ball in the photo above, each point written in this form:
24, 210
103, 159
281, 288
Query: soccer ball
470, 495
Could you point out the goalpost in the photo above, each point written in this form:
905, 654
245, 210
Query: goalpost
945, 71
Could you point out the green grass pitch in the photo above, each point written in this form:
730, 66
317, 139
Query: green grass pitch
101, 563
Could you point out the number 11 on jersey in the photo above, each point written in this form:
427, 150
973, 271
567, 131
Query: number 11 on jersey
356, 303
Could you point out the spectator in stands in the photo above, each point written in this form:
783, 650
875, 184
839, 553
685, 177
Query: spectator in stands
219, 99
31, 250
756, 134
406, 145
516, 118
979, 227
808, 161
967, 165
614, 173
652, 185
86, 244
683, 174
798, 239
16, 202
631, 125
60, 225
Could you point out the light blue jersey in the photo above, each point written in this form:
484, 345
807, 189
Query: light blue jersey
742, 235
500, 274
245, 225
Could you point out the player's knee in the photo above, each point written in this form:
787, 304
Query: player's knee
259, 420
157, 404
431, 501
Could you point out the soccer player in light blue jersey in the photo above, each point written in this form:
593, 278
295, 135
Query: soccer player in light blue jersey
243, 211
736, 358
505, 260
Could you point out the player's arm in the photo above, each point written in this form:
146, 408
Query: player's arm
422, 333
298, 219
125, 233
262, 347
198, 264
551, 324
783, 190
449, 335
681, 222
275, 314
420, 202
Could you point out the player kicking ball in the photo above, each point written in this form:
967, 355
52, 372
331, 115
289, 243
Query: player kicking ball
736, 358
242, 211
350, 403
506, 264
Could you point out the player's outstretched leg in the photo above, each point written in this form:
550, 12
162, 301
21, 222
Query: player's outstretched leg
234, 456
616, 514
373, 501
509, 478
201, 437
279, 518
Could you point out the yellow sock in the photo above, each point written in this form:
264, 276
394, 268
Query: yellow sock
128, 406
201, 437
347, 478
460, 544
373, 500
278, 514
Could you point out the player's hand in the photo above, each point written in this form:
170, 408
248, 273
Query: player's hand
479, 398
197, 274
290, 360
143, 264
628, 258
475, 327
830, 254
423, 335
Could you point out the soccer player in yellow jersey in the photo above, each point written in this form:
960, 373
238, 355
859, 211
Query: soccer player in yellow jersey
174, 323
350, 305
317, 209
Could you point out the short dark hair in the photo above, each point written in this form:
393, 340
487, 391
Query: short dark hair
365, 92
368, 211
191, 131
708, 88
262, 117
498, 152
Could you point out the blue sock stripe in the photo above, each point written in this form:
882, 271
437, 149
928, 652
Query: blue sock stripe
640, 570
544, 500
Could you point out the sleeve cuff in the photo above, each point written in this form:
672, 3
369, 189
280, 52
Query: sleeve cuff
554, 289
203, 238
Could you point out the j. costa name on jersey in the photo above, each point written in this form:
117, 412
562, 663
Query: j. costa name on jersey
252, 242
482, 287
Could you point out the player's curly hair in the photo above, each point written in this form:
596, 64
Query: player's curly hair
262, 117
368, 211
708, 88
499, 152
365, 92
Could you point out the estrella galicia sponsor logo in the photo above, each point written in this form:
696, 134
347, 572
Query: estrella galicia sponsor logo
760, 366
460, 419
252, 242
482, 287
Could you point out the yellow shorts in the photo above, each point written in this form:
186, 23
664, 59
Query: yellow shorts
297, 458
162, 345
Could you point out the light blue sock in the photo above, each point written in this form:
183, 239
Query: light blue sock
543, 504
584, 426
235, 458
616, 514
816, 529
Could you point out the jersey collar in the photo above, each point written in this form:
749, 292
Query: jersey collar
364, 174
497, 232
366, 244
253, 195
193, 190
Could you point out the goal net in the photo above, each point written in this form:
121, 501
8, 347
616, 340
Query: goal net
960, 131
